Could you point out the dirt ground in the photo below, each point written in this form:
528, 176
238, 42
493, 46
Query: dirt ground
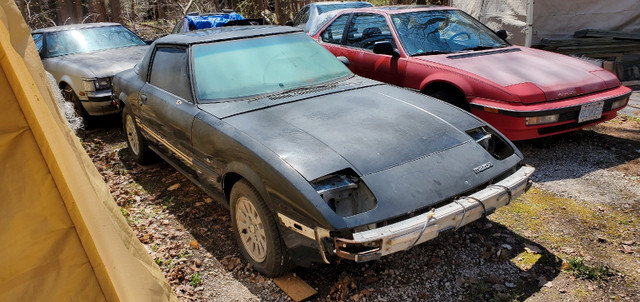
574, 237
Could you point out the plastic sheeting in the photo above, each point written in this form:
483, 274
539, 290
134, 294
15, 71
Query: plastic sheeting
63, 237
209, 21
553, 19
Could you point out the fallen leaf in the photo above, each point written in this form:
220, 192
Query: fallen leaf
626, 249
173, 187
565, 266
194, 244
423, 295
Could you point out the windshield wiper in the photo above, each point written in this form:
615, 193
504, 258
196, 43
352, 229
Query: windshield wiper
431, 52
482, 47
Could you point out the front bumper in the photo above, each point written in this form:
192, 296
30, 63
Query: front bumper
510, 118
403, 235
101, 103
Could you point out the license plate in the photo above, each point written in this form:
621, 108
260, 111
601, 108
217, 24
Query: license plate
591, 111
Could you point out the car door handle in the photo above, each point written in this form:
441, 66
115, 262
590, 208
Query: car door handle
143, 99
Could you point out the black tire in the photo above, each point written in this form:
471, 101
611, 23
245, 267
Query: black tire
136, 142
453, 98
71, 97
256, 231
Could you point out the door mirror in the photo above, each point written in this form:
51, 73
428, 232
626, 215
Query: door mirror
344, 60
385, 48
502, 34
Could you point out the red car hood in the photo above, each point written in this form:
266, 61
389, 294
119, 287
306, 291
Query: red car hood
517, 68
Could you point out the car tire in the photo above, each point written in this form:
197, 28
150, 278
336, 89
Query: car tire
71, 97
453, 98
136, 142
256, 231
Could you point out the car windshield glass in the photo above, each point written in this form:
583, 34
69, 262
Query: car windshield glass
250, 67
89, 40
329, 7
443, 31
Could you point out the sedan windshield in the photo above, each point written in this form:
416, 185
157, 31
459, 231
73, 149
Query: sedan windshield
89, 40
443, 31
250, 67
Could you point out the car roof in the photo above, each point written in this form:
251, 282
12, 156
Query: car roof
74, 27
225, 33
334, 2
398, 9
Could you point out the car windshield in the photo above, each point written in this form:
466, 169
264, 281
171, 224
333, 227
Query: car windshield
329, 7
250, 67
443, 31
89, 40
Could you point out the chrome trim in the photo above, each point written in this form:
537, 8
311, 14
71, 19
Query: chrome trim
163, 141
406, 234
297, 227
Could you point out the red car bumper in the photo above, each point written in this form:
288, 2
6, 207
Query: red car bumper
511, 118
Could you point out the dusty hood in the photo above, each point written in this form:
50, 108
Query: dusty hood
557, 76
401, 151
101, 63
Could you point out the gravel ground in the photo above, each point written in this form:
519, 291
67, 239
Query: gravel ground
190, 236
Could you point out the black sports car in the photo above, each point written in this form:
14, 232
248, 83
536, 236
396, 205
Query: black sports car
314, 162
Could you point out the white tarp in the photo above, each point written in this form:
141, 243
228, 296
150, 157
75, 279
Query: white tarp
553, 19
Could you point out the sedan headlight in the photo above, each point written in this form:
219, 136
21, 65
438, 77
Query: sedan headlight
91, 85
539, 120
619, 103
345, 193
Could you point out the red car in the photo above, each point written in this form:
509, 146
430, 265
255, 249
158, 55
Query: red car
443, 52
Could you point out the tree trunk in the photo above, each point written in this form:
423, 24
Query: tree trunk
116, 11
101, 10
132, 14
277, 10
65, 12
160, 9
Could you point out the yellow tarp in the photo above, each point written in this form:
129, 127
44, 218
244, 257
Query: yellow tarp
62, 237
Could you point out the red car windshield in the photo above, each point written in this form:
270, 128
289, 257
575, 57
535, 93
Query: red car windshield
443, 31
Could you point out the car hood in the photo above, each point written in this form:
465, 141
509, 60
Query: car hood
98, 64
516, 68
410, 152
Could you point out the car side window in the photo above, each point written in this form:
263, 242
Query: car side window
333, 32
38, 39
367, 29
302, 17
170, 72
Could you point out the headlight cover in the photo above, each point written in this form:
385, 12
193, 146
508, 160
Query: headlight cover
91, 85
345, 193
491, 141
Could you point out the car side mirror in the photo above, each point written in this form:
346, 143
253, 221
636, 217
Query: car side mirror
344, 60
289, 23
385, 48
502, 34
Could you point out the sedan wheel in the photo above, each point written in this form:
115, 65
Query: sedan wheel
71, 97
256, 231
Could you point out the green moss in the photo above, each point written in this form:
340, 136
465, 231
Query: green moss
525, 260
